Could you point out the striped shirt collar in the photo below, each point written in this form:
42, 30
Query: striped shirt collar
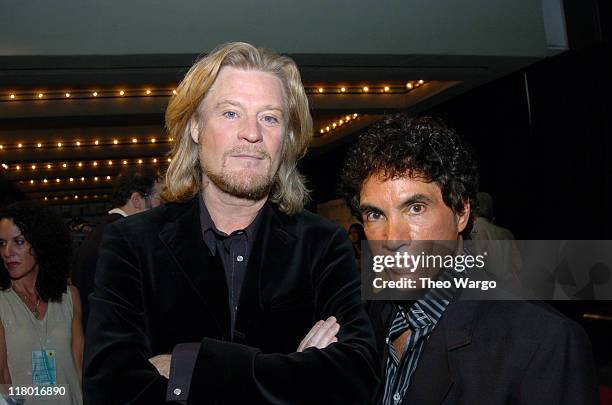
425, 312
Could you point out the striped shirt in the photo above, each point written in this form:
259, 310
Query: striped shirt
421, 318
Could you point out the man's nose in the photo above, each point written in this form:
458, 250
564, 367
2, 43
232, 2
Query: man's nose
396, 236
250, 130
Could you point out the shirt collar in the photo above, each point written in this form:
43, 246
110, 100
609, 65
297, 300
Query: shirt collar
427, 311
209, 229
205, 220
117, 211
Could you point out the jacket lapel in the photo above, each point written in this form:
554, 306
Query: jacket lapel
433, 379
182, 236
381, 313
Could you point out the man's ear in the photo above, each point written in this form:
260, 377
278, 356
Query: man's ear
193, 126
463, 217
136, 201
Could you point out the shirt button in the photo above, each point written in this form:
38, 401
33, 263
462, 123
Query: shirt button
177, 391
396, 397
240, 258
387, 340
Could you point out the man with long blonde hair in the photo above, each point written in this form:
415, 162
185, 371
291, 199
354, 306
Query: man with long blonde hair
212, 298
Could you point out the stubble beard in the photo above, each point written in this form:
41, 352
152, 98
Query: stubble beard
241, 184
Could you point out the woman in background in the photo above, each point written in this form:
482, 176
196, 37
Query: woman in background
41, 340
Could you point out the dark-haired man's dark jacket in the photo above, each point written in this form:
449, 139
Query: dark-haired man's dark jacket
497, 352
158, 285
84, 263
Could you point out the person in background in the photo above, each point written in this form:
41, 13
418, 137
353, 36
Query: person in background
41, 339
356, 236
495, 241
484, 227
135, 190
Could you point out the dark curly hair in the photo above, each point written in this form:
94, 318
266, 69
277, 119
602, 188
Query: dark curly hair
49, 237
423, 147
133, 179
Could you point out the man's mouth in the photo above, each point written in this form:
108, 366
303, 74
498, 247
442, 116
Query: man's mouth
245, 156
394, 271
11, 265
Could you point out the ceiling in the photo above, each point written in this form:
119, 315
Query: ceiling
65, 133
82, 97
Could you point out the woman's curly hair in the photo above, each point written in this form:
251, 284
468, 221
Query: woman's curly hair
49, 237
417, 147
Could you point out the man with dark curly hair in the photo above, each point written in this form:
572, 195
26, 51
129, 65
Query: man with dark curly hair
412, 179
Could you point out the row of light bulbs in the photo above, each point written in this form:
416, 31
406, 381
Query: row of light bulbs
339, 122
78, 143
364, 89
68, 180
55, 95
76, 197
95, 163
97, 142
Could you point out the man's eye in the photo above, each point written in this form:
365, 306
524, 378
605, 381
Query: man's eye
372, 216
20, 242
230, 114
270, 119
416, 209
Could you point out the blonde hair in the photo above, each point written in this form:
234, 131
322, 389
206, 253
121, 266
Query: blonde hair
183, 178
